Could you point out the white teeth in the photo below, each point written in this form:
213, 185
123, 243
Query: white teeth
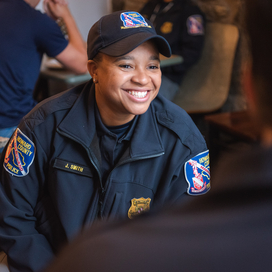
138, 94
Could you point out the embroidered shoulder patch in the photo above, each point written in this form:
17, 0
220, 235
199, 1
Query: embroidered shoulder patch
195, 25
19, 155
133, 19
197, 174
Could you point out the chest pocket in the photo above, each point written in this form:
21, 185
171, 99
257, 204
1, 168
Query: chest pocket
73, 167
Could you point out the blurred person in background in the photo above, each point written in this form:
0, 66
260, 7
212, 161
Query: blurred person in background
228, 229
182, 24
109, 148
26, 34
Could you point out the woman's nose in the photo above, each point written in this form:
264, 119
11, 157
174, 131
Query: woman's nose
141, 77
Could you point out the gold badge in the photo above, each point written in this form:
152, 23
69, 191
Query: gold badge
166, 28
138, 205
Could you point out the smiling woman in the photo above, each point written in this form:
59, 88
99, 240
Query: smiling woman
125, 66
126, 85
110, 148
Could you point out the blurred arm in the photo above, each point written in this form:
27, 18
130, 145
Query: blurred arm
74, 56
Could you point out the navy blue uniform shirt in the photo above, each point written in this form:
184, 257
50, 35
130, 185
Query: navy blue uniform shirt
51, 175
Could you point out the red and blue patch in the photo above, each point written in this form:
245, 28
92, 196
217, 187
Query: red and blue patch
197, 174
195, 25
133, 19
19, 155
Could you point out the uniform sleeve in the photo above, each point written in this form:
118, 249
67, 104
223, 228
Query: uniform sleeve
21, 186
188, 162
193, 35
48, 35
190, 41
195, 171
185, 182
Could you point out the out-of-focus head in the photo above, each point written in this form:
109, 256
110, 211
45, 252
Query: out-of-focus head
258, 25
118, 33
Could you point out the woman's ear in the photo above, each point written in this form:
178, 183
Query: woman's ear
92, 68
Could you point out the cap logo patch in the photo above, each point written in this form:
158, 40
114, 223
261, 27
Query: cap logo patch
133, 20
138, 205
19, 155
195, 25
197, 174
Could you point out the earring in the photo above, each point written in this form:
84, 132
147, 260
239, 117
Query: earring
94, 80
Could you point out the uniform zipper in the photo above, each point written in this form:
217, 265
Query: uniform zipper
101, 189
102, 192
124, 162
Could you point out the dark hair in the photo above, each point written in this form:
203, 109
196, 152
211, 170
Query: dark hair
98, 57
258, 23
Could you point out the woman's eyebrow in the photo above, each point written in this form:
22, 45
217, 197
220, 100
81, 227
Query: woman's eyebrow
154, 57
123, 58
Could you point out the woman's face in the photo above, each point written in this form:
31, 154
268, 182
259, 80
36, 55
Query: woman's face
126, 85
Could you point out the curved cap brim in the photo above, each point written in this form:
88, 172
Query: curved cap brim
129, 43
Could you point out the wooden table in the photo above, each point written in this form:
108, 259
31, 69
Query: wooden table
230, 129
238, 124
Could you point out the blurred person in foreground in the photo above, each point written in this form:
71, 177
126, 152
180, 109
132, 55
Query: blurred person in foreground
182, 24
26, 34
228, 229
110, 148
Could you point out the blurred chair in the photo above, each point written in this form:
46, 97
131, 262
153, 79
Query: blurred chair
3, 262
205, 87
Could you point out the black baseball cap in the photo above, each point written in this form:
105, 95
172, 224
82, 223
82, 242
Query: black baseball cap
120, 32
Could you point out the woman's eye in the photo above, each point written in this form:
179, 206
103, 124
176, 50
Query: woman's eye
125, 66
154, 67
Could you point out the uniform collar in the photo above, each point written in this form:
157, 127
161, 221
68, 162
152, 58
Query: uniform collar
79, 123
102, 129
145, 139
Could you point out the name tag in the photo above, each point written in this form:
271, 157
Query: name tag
72, 167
